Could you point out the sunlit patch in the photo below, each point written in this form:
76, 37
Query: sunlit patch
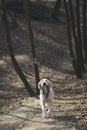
2, 62
22, 57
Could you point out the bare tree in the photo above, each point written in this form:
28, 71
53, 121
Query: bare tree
31, 37
56, 8
84, 30
69, 34
75, 37
16, 66
79, 37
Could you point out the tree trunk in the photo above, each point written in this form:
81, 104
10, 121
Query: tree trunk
16, 66
79, 37
84, 30
77, 50
56, 8
69, 35
31, 37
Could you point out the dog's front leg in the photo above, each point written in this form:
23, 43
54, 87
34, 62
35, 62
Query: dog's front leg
43, 109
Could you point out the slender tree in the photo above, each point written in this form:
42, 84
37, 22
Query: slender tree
75, 35
56, 8
79, 37
84, 31
16, 66
77, 47
69, 34
31, 37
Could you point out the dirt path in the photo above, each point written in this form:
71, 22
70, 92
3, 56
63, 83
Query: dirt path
27, 116
70, 105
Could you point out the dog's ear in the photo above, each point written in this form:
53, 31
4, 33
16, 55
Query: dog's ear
39, 85
50, 84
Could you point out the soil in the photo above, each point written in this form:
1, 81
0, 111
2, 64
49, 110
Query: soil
19, 111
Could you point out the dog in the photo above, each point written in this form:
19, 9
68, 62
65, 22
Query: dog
46, 96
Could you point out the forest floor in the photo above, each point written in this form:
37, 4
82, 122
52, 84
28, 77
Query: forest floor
18, 111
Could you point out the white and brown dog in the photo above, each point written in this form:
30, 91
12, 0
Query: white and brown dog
46, 96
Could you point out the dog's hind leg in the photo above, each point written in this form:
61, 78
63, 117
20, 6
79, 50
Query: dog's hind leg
50, 108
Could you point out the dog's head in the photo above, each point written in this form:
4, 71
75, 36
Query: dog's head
45, 85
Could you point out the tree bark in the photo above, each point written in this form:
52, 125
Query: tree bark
84, 30
68, 23
31, 37
56, 8
79, 36
16, 66
77, 50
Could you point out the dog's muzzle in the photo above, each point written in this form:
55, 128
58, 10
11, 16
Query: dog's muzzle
46, 93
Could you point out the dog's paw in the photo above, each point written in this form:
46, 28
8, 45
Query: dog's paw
44, 115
